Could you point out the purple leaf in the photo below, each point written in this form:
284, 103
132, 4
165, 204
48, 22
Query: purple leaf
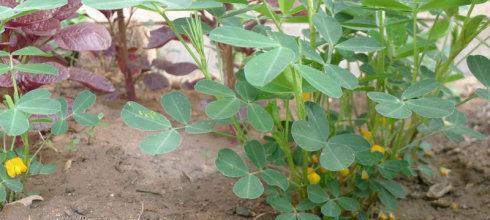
32, 18
44, 28
189, 84
93, 81
161, 36
155, 81
138, 62
177, 69
38, 80
84, 37
69, 10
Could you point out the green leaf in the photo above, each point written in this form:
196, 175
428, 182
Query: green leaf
396, 110
349, 204
390, 168
431, 107
248, 187
210, 87
352, 141
387, 4
480, 67
483, 93
177, 4
177, 105
307, 137
335, 157
263, 68
307, 216
259, 118
4, 68
388, 200
223, 108
83, 101
331, 209
329, 28
393, 187
256, 152
316, 194
14, 122
360, 44
420, 88
60, 127
29, 5
137, 116
310, 53
367, 158
437, 4
200, 127
39, 106
111, 4
239, 37
30, 51
13, 184
317, 118
3, 192
280, 204
275, 178
320, 81
230, 164
6, 13
37, 68
343, 77
286, 216
161, 143
247, 91
381, 97
85, 119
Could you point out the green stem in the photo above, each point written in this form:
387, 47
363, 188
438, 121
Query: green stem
311, 13
416, 64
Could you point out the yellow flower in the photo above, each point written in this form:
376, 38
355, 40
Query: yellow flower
367, 134
382, 216
15, 167
344, 172
364, 175
306, 96
444, 171
314, 178
392, 217
314, 158
377, 148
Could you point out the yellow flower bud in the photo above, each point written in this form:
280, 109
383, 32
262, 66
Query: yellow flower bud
310, 170
364, 175
382, 216
314, 158
378, 148
392, 217
367, 134
306, 96
15, 167
314, 178
323, 170
344, 172
444, 171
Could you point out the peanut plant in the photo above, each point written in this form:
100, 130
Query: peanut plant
333, 143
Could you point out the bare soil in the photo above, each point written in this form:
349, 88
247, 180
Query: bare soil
109, 178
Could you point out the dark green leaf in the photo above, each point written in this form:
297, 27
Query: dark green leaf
230, 164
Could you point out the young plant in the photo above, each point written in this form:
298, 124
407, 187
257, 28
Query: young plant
27, 109
324, 154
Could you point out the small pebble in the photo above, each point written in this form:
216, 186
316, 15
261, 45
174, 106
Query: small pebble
441, 203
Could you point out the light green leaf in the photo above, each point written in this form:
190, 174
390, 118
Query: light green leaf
483, 93
310, 53
177, 105
381, 97
223, 108
396, 110
437, 4
14, 122
343, 77
275, 178
352, 141
246, 90
60, 127
360, 44
317, 118
420, 88
13, 184
137, 116
83, 101
256, 153
263, 68
85, 119
111, 4
259, 118
388, 200
4, 68
307, 216
30, 51
431, 107
387, 4
29, 5
393, 187
239, 37
329, 28
210, 87
200, 127
335, 157
480, 67
230, 164
37, 68
39, 106
349, 204
248, 187
307, 137
286, 216
280, 204
316, 194
177, 4
6, 13
320, 81
161, 143
3, 193
331, 209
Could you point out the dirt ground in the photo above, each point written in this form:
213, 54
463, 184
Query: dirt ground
109, 178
